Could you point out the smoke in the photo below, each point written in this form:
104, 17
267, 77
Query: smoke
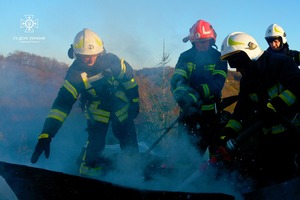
173, 167
173, 163
166, 168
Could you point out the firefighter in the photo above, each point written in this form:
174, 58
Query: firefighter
277, 41
107, 91
269, 87
196, 85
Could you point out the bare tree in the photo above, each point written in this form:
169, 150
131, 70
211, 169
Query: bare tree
165, 57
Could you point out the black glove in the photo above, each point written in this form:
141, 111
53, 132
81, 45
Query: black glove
226, 135
227, 139
186, 97
134, 110
43, 145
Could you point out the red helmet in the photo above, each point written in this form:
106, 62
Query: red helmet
201, 30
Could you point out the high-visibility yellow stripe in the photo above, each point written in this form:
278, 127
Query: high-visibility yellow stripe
193, 97
122, 114
90, 171
208, 107
129, 84
235, 125
191, 67
288, 97
179, 89
181, 73
278, 129
71, 89
206, 90
135, 100
101, 113
57, 114
43, 135
123, 69
220, 72
210, 67
275, 90
121, 94
101, 118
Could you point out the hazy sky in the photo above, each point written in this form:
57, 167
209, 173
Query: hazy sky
136, 29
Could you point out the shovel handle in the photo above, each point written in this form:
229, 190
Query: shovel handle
162, 136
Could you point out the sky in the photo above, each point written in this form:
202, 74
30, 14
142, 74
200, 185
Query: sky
137, 30
134, 30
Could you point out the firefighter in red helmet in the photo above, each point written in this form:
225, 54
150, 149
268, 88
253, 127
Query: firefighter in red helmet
197, 85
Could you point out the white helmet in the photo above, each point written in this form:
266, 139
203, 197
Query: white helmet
87, 42
239, 41
275, 31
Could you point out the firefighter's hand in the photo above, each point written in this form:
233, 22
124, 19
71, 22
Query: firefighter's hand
43, 145
186, 97
231, 145
226, 135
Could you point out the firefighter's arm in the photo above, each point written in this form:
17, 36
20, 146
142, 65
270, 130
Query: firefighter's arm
126, 77
185, 96
57, 115
283, 102
215, 83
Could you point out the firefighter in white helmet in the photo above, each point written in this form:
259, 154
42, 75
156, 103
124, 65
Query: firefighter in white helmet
108, 93
270, 92
277, 41
197, 85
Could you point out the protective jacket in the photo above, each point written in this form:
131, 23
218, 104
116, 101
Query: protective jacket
273, 78
285, 50
107, 91
196, 85
200, 75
